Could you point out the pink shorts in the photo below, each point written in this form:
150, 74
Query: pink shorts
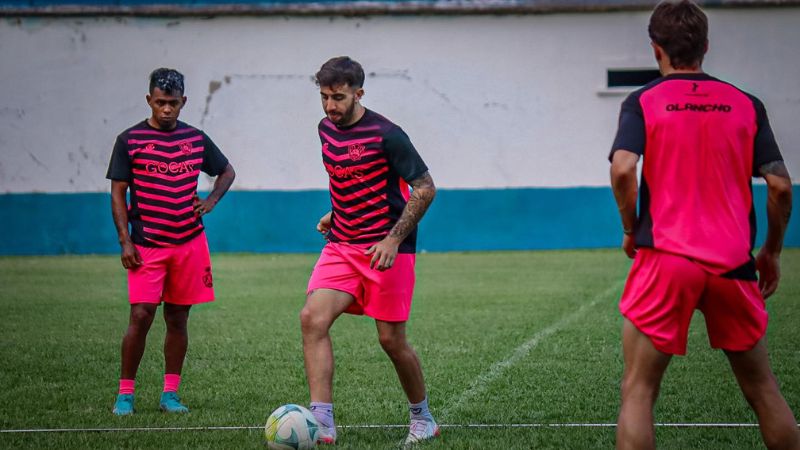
663, 290
381, 295
179, 275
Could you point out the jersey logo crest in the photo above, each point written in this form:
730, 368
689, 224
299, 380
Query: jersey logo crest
355, 151
149, 147
186, 148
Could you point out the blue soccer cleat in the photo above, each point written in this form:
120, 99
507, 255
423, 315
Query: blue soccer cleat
171, 403
124, 405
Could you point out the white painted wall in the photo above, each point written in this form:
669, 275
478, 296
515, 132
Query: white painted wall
489, 101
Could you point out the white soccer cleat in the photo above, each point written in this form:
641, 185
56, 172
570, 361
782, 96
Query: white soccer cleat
326, 436
421, 430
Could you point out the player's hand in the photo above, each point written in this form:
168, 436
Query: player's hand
768, 265
629, 245
130, 256
324, 224
202, 206
383, 253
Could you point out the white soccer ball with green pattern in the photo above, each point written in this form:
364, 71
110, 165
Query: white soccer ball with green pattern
291, 427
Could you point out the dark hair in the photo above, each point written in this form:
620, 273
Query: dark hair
340, 70
681, 29
168, 80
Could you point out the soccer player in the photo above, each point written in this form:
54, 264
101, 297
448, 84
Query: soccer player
367, 266
165, 252
701, 140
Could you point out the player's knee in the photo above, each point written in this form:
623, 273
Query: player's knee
392, 344
313, 322
176, 319
142, 317
176, 324
639, 389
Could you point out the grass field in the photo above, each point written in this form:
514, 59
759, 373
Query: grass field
505, 338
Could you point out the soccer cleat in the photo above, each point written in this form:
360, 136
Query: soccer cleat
421, 430
124, 405
171, 403
326, 436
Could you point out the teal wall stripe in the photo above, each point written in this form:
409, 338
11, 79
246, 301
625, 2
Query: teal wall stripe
279, 221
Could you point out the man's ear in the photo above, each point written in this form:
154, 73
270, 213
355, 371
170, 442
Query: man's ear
657, 51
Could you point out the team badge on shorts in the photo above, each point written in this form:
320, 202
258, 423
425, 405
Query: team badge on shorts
355, 151
208, 280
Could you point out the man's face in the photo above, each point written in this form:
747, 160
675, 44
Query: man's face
340, 102
166, 107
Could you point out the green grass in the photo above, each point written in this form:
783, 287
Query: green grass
551, 316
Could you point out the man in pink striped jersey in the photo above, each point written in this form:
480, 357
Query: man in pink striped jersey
367, 266
165, 251
702, 141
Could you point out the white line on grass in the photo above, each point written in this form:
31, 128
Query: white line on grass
453, 425
480, 383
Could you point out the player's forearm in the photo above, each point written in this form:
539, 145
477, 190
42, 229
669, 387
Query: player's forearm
625, 193
779, 210
625, 187
222, 184
779, 203
119, 211
418, 203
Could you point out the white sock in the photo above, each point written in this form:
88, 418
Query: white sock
420, 411
323, 412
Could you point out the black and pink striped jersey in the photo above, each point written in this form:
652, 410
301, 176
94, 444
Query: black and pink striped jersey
369, 164
162, 168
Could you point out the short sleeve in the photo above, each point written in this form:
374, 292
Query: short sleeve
119, 168
214, 162
631, 129
765, 148
402, 156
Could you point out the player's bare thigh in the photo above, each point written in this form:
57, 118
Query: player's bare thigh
325, 305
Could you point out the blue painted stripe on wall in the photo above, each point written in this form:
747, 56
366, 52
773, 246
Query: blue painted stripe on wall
277, 221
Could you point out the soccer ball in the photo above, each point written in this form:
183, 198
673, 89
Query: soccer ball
291, 427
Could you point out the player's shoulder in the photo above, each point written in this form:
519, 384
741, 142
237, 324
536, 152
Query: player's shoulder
757, 103
133, 129
184, 127
383, 124
736, 90
634, 97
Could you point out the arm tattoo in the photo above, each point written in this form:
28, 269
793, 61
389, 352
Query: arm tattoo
421, 197
776, 168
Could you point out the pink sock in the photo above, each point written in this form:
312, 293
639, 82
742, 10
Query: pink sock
171, 382
126, 386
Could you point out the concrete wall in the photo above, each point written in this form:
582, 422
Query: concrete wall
491, 102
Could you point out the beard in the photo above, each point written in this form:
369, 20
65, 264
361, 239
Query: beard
346, 118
